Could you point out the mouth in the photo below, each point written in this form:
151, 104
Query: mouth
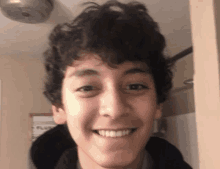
113, 133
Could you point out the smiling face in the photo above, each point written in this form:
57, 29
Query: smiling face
97, 97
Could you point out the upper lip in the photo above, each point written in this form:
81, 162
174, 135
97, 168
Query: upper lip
115, 129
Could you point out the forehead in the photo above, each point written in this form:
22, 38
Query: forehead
94, 62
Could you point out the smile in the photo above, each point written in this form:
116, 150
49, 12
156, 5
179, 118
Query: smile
111, 133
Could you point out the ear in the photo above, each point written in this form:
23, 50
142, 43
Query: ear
59, 115
158, 113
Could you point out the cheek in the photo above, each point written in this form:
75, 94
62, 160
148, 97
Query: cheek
80, 121
145, 107
79, 112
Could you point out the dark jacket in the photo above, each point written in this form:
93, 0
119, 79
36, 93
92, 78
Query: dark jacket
55, 149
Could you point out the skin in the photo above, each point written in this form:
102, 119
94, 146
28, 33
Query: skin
111, 100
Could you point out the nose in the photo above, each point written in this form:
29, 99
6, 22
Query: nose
113, 104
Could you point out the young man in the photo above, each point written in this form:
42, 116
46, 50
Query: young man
107, 78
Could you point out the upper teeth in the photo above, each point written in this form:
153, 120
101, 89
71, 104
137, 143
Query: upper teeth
114, 133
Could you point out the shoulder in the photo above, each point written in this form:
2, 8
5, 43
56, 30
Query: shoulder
165, 155
48, 148
68, 159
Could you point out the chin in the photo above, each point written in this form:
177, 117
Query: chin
116, 160
115, 164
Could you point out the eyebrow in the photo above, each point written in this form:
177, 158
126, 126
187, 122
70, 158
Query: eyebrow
92, 72
137, 70
85, 72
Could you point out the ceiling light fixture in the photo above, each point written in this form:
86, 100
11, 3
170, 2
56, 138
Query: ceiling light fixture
27, 11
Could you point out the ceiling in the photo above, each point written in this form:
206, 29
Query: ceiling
172, 16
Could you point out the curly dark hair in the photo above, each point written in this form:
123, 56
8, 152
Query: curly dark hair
115, 31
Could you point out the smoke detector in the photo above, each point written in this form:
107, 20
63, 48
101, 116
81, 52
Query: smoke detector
27, 11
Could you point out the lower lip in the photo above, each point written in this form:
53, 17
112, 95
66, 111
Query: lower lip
125, 136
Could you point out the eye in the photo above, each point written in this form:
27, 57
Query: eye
85, 89
136, 87
88, 91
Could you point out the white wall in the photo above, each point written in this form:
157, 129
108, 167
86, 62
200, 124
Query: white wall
21, 94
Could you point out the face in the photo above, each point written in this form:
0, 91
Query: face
97, 98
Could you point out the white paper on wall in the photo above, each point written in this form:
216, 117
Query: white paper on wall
40, 125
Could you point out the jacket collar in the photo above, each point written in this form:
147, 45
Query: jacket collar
53, 149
